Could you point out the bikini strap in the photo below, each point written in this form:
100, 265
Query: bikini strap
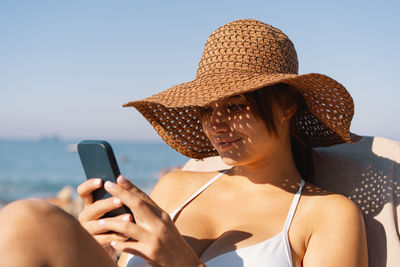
293, 207
201, 189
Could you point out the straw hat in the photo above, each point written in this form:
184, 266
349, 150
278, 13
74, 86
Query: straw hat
239, 57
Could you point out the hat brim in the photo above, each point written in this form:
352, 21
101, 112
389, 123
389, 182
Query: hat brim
174, 113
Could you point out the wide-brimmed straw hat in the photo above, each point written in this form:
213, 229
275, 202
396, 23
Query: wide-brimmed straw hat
240, 57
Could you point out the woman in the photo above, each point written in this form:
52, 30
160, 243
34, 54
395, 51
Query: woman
249, 106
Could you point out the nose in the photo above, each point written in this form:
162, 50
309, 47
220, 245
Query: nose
218, 122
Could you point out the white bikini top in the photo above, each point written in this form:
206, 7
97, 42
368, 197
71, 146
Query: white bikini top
274, 251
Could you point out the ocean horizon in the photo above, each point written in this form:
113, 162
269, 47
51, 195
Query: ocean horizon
41, 168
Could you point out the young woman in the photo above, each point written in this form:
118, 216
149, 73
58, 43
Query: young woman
249, 106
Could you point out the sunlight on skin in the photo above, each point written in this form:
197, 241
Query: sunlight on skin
235, 131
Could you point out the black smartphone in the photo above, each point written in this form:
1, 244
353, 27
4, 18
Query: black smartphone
98, 161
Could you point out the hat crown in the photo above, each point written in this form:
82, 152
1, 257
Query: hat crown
248, 45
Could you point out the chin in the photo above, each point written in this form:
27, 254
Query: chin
232, 161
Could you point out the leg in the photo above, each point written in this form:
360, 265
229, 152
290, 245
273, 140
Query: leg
35, 233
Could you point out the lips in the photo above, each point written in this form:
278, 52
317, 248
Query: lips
223, 143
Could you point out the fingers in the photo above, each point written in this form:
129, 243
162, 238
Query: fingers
101, 232
132, 247
124, 182
106, 239
100, 207
100, 226
121, 225
86, 188
139, 202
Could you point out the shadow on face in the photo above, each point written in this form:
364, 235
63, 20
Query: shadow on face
238, 134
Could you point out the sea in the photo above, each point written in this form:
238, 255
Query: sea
41, 168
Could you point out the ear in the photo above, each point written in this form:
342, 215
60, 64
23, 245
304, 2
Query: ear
289, 111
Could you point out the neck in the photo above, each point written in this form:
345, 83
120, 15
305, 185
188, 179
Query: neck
277, 169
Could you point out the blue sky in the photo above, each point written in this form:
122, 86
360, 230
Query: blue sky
66, 67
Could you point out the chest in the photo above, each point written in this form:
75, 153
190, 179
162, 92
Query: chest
217, 225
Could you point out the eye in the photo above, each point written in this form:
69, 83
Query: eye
236, 107
206, 111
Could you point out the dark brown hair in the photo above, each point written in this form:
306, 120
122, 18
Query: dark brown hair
285, 96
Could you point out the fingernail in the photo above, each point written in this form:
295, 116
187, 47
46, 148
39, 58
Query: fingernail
113, 243
102, 222
109, 185
117, 201
97, 182
122, 179
126, 218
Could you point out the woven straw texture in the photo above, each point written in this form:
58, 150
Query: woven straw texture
239, 57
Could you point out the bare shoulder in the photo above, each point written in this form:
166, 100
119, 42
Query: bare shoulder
331, 205
175, 187
333, 219
330, 208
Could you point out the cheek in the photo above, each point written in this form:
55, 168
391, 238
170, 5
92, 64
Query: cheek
238, 121
257, 132
246, 122
205, 126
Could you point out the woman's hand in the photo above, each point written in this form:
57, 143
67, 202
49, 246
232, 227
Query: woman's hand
154, 236
90, 217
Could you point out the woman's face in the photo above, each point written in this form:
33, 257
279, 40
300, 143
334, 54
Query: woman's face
239, 136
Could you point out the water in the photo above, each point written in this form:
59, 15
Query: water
42, 168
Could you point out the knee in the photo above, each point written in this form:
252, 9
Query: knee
30, 213
27, 208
